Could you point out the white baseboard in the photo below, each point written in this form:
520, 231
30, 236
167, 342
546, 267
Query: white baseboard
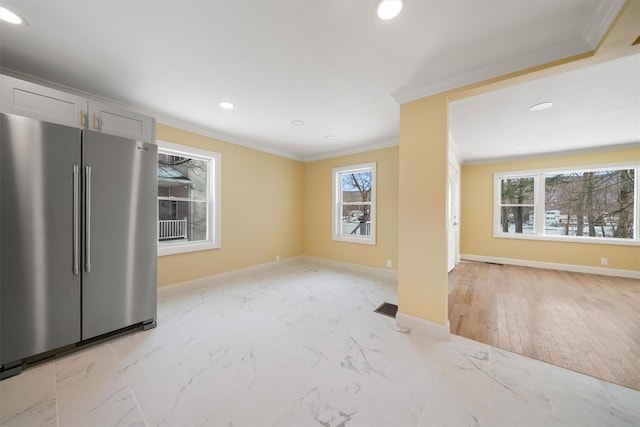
392, 274
423, 326
207, 280
631, 274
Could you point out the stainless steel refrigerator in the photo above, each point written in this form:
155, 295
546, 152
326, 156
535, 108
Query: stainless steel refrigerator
77, 236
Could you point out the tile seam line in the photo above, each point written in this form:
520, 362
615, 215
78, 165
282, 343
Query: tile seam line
55, 389
135, 399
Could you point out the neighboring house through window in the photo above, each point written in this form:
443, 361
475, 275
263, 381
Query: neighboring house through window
188, 199
354, 203
587, 204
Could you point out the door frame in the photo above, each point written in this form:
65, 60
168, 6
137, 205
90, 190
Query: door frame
453, 211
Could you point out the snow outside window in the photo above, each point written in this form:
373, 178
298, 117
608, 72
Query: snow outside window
587, 204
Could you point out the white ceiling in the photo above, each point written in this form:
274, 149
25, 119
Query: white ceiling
331, 63
594, 107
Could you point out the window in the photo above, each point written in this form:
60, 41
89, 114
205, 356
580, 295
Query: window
354, 204
593, 204
517, 204
188, 199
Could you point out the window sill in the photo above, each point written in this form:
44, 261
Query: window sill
570, 239
180, 248
361, 241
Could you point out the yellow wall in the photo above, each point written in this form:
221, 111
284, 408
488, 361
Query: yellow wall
476, 219
422, 245
422, 235
273, 205
262, 212
317, 210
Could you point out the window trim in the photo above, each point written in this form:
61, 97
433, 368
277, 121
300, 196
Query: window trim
539, 205
498, 198
336, 216
214, 196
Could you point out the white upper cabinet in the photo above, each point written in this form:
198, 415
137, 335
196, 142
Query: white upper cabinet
42, 103
107, 118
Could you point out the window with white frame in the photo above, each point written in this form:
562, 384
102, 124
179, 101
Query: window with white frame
587, 204
354, 203
188, 199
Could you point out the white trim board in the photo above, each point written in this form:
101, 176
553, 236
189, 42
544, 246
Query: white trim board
423, 326
391, 274
185, 125
403, 320
170, 289
357, 150
631, 274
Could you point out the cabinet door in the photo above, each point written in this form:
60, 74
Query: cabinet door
42, 103
106, 118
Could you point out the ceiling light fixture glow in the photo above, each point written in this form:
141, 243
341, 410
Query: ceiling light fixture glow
11, 17
389, 9
330, 137
297, 122
541, 106
226, 105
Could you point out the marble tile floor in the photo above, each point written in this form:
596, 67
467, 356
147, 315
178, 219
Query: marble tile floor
297, 344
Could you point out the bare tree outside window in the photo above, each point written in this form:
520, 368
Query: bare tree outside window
593, 203
356, 203
517, 204
353, 204
590, 203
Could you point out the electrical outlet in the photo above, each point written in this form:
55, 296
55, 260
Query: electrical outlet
389, 263
604, 261
277, 257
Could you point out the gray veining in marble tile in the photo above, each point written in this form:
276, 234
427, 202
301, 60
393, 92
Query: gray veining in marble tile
298, 344
30, 398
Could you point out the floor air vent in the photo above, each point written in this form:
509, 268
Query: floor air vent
387, 309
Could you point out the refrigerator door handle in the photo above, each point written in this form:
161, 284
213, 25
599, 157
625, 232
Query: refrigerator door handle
87, 207
76, 219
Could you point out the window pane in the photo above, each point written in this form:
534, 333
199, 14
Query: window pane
356, 220
517, 191
182, 221
180, 176
356, 186
592, 203
517, 219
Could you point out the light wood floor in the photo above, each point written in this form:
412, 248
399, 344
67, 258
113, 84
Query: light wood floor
587, 323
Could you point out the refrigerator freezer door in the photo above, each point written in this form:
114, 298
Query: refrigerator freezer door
39, 291
120, 226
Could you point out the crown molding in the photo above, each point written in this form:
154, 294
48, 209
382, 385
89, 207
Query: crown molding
191, 127
575, 46
224, 137
599, 149
160, 118
313, 158
601, 20
598, 25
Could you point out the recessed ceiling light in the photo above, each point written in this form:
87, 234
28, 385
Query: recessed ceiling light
226, 105
389, 9
541, 106
330, 137
297, 122
11, 17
